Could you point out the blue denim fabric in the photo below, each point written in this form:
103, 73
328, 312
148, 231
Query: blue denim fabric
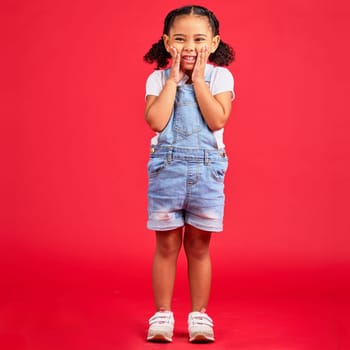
186, 171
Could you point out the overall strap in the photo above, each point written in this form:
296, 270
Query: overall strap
166, 73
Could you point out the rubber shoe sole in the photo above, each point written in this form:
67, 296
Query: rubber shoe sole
159, 338
201, 338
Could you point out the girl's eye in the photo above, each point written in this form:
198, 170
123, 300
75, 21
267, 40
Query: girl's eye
200, 39
179, 39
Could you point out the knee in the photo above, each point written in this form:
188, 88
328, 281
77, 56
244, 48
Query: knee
196, 248
169, 247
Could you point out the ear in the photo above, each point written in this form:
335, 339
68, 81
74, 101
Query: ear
215, 43
166, 42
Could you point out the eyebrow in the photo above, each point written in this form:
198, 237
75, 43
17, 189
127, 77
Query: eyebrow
196, 35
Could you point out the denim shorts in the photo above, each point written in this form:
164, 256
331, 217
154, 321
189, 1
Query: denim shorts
186, 186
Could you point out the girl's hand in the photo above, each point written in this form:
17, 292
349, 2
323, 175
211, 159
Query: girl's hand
175, 72
199, 68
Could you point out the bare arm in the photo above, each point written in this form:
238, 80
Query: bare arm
159, 108
215, 109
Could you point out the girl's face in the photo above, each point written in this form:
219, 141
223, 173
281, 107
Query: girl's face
188, 34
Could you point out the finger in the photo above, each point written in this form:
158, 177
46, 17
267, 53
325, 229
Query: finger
175, 56
205, 53
173, 52
177, 59
175, 66
176, 63
201, 57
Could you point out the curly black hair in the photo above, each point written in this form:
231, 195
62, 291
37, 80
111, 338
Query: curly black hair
222, 56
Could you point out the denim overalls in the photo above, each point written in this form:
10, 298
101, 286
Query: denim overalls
186, 170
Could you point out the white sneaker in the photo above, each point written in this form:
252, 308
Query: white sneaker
200, 327
161, 327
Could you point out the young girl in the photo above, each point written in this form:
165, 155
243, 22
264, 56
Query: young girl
187, 105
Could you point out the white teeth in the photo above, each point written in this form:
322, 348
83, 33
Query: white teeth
189, 58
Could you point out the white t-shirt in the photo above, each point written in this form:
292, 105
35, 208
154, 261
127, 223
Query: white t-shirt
221, 81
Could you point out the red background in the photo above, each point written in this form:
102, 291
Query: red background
73, 179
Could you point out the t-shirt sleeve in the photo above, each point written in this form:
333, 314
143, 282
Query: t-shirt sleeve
222, 81
154, 83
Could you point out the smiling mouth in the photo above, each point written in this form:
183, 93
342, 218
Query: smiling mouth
189, 59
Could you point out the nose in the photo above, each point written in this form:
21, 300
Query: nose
188, 48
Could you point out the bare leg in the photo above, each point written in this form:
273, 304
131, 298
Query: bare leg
196, 244
168, 245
